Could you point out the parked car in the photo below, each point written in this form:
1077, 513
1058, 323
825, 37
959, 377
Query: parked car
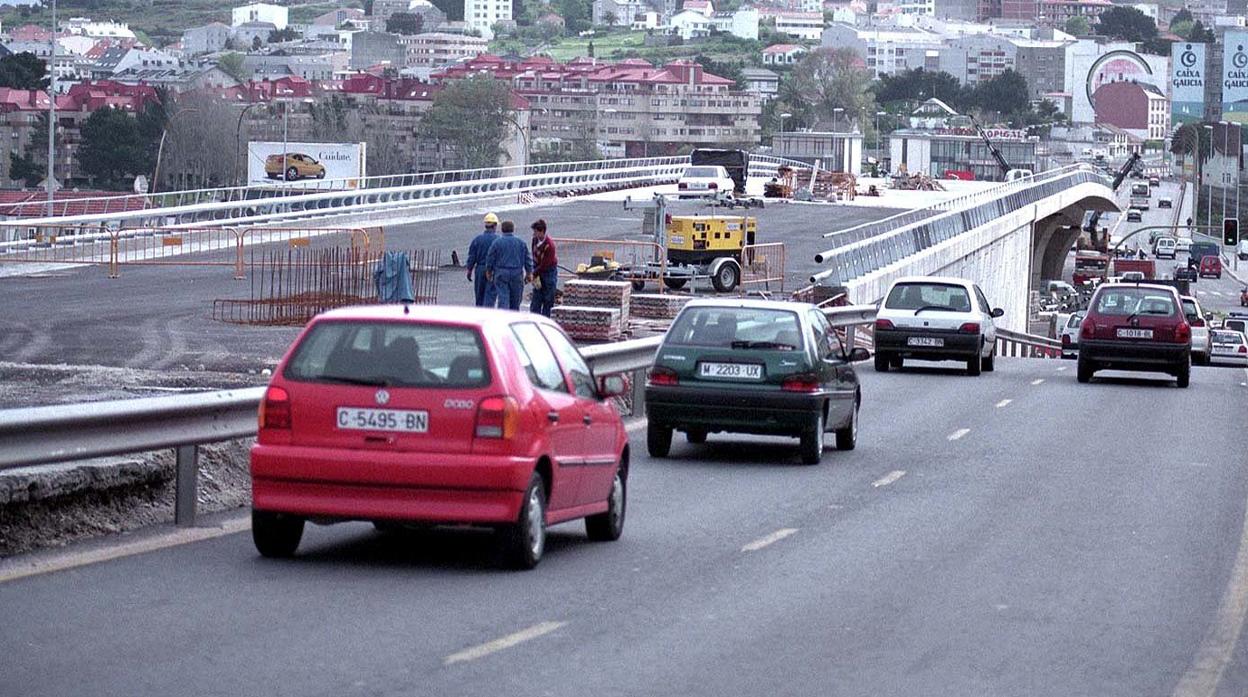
396, 415
704, 181
1134, 216
293, 166
1211, 267
1164, 202
935, 318
1229, 348
1135, 326
1165, 248
1154, 182
753, 366
1200, 328
1069, 335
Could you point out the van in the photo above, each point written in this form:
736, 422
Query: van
1211, 266
1165, 248
1242, 252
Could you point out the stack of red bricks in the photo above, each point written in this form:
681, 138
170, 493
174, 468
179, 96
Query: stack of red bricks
656, 306
594, 310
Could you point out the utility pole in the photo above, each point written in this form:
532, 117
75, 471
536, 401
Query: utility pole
52, 117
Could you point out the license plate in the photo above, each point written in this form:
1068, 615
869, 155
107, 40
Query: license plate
358, 419
925, 341
1130, 333
737, 371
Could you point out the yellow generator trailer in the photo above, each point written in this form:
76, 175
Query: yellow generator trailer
699, 246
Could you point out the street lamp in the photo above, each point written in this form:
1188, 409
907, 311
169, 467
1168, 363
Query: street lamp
160, 150
836, 117
238, 139
878, 140
52, 116
286, 133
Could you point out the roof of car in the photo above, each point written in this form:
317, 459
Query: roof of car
749, 303
430, 313
1137, 284
950, 280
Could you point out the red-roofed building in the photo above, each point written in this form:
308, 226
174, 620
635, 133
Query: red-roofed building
783, 54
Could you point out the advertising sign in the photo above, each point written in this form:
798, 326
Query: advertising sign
268, 163
1187, 82
1235, 77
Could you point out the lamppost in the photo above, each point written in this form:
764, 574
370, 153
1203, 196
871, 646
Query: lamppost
52, 116
879, 141
286, 134
783, 117
160, 150
836, 117
238, 139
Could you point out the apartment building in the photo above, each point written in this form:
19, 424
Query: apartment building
980, 57
482, 15
276, 15
890, 50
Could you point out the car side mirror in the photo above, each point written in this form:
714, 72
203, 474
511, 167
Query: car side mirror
1209, 316
997, 312
859, 355
612, 386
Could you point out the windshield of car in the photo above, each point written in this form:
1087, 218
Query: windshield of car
1224, 337
390, 353
1190, 309
928, 295
1123, 302
1075, 320
702, 172
737, 327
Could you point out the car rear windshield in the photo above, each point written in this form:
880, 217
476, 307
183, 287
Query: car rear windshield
1190, 310
1124, 302
931, 296
737, 327
1221, 337
1075, 320
390, 353
707, 172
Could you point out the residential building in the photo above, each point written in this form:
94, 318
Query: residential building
1118, 142
370, 48
1056, 13
807, 26
705, 7
783, 54
963, 10
276, 15
888, 51
482, 15
177, 78
623, 12
1207, 11
761, 81
82, 26
209, 38
741, 23
1138, 108
915, 7
117, 59
430, 16
259, 66
250, 34
435, 49
690, 25
335, 18
980, 57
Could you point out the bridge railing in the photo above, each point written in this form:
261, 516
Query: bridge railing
869, 247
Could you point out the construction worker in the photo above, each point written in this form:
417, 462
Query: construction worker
545, 270
483, 289
508, 266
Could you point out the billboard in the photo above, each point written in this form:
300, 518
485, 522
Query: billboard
1235, 77
1187, 82
269, 163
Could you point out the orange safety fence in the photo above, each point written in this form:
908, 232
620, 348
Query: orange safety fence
642, 263
763, 264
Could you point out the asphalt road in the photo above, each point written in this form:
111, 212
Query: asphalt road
1013, 534
159, 317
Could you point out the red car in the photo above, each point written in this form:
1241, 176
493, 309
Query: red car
1135, 326
420, 415
1211, 266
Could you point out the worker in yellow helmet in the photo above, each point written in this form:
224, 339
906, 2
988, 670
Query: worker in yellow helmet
484, 290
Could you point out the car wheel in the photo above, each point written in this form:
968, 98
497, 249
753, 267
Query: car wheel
292, 174
1183, 376
881, 362
812, 443
989, 363
695, 436
674, 283
608, 526
1084, 371
658, 440
320, 174
276, 535
525, 540
726, 278
974, 365
847, 437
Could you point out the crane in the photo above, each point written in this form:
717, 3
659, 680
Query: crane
992, 148
1095, 217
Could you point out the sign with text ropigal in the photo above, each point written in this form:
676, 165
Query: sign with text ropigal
1187, 82
1235, 77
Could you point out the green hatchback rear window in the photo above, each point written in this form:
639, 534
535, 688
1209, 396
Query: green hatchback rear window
737, 327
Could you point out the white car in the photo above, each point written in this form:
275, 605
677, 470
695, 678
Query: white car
1183, 245
704, 181
935, 318
1069, 334
1165, 248
1200, 329
1229, 347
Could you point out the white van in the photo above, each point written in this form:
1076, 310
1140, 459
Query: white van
1165, 248
1242, 252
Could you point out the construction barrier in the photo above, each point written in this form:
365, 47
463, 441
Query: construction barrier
763, 264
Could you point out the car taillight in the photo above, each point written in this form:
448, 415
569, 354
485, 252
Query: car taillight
969, 328
1087, 330
884, 324
1242, 349
1198, 322
275, 409
496, 417
712, 185
1183, 333
802, 382
662, 376
682, 186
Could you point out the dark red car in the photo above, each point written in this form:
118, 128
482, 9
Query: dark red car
480, 417
1135, 326
1211, 267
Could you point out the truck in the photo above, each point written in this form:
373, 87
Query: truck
737, 162
1144, 266
1090, 267
1140, 196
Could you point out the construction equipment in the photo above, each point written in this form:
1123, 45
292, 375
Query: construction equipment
1010, 173
1094, 218
697, 247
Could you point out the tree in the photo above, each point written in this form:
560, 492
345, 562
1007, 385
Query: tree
256, 43
575, 14
114, 150
453, 9
610, 18
830, 79
1183, 15
1126, 23
1078, 26
201, 145
405, 23
471, 117
287, 34
1182, 29
232, 64
917, 85
1201, 34
23, 71
1005, 94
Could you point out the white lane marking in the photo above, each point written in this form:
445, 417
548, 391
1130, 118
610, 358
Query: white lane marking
888, 478
1218, 647
1037, 381
69, 559
768, 540
1061, 368
1004, 403
959, 433
489, 647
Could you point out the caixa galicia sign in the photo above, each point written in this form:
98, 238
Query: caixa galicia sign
1235, 77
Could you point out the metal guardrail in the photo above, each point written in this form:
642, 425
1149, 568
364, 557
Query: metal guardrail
1019, 345
876, 245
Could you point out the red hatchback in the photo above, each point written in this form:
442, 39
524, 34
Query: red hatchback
429, 416
1211, 267
1135, 326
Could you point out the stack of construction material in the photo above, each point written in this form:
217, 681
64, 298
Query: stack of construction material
594, 310
655, 306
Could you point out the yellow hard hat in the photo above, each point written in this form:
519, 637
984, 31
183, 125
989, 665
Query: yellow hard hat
491, 219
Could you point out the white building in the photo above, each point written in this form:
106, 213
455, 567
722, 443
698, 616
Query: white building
888, 51
761, 81
276, 15
482, 15
783, 54
802, 25
742, 24
690, 24
82, 26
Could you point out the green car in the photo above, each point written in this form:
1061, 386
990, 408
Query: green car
753, 366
